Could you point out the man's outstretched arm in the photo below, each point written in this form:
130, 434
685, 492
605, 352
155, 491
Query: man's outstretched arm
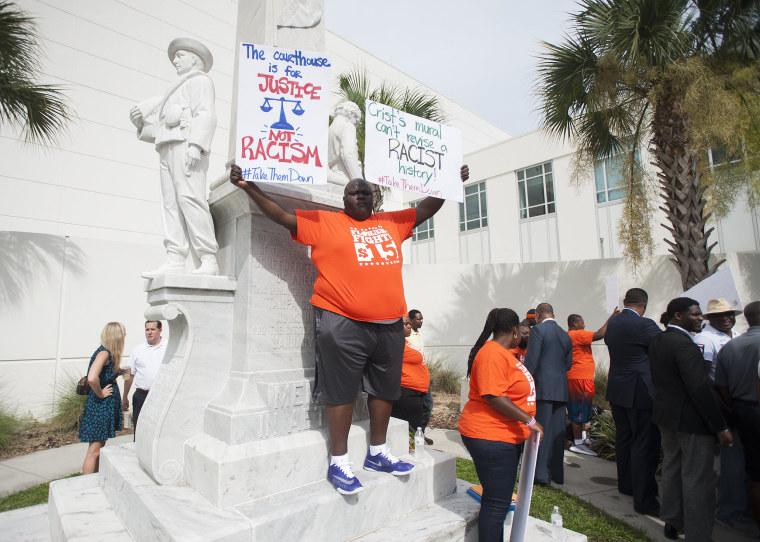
599, 333
268, 206
430, 205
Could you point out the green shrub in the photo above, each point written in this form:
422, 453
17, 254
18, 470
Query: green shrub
443, 377
603, 432
68, 407
600, 388
10, 424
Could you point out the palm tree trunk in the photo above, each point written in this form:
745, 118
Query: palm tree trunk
681, 194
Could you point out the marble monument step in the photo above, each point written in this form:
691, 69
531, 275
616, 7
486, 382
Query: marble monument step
136, 507
78, 510
318, 512
230, 475
455, 519
161, 512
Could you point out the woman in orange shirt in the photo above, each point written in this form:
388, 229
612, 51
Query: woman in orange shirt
415, 382
497, 418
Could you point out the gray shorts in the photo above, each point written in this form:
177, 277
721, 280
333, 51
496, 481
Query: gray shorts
353, 355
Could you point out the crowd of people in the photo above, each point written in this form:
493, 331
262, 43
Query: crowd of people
688, 389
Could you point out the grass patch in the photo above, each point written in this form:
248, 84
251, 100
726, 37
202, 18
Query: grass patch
443, 377
577, 514
30, 496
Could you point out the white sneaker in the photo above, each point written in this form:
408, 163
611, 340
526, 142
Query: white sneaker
582, 449
208, 266
165, 269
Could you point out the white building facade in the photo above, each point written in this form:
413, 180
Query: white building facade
80, 219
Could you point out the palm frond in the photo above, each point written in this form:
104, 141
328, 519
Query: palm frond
41, 110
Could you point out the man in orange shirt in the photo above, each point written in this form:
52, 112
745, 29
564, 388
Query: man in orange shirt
358, 305
580, 379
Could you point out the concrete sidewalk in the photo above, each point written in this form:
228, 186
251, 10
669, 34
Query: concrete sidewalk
30, 470
595, 481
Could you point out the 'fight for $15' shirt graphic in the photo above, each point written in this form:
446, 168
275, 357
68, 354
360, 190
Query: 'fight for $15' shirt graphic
374, 246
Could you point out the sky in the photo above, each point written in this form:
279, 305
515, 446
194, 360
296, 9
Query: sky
481, 53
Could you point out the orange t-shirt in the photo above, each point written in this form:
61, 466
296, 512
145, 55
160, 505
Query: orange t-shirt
583, 360
414, 371
358, 262
518, 353
496, 372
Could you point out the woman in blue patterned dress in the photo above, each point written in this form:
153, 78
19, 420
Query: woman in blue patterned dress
102, 415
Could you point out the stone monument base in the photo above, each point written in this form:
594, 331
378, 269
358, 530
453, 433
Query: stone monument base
125, 503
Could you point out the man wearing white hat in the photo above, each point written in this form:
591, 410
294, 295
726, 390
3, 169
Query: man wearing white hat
722, 318
181, 123
733, 499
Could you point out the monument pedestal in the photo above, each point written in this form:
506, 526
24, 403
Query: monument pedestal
229, 444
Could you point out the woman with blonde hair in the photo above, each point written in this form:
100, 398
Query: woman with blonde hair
102, 415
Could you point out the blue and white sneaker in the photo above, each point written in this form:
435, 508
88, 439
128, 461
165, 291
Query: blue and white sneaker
342, 477
387, 462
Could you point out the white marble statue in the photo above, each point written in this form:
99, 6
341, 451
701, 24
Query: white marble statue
342, 149
181, 123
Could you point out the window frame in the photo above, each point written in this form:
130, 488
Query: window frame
467, 223
548, 206
427, 227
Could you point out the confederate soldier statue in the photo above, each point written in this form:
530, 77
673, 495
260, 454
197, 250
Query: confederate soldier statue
181, 123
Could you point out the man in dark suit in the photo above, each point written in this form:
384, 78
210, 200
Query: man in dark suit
630, 393
690, 420
549, 357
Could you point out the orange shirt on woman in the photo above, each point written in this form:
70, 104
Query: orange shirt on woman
497, 372
414, 371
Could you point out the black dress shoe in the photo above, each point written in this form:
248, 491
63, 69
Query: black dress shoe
428, 441
671, 532
540, 483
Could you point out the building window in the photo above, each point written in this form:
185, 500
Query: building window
425, 230
609, 177
535, 186
473, 213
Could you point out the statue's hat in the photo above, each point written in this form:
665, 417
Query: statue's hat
194, 46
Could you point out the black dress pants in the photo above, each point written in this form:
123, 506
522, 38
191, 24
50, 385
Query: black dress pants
637, 451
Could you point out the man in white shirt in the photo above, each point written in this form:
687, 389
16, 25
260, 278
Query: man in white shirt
714, 336
145, 360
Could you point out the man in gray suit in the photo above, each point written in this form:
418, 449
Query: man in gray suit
549, 357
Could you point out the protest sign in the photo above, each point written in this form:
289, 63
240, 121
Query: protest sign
611, 293
525, 487
411, 153
282, 115
719, 284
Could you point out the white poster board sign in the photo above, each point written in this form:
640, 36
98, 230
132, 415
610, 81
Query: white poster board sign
411, 153
282, 115
525, 488
719, 284
611, 293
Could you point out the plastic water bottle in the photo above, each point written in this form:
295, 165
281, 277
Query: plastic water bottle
419, 443
127, 419
557, 533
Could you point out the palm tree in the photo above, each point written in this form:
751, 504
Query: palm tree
39, 109
663, 71
355, 86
